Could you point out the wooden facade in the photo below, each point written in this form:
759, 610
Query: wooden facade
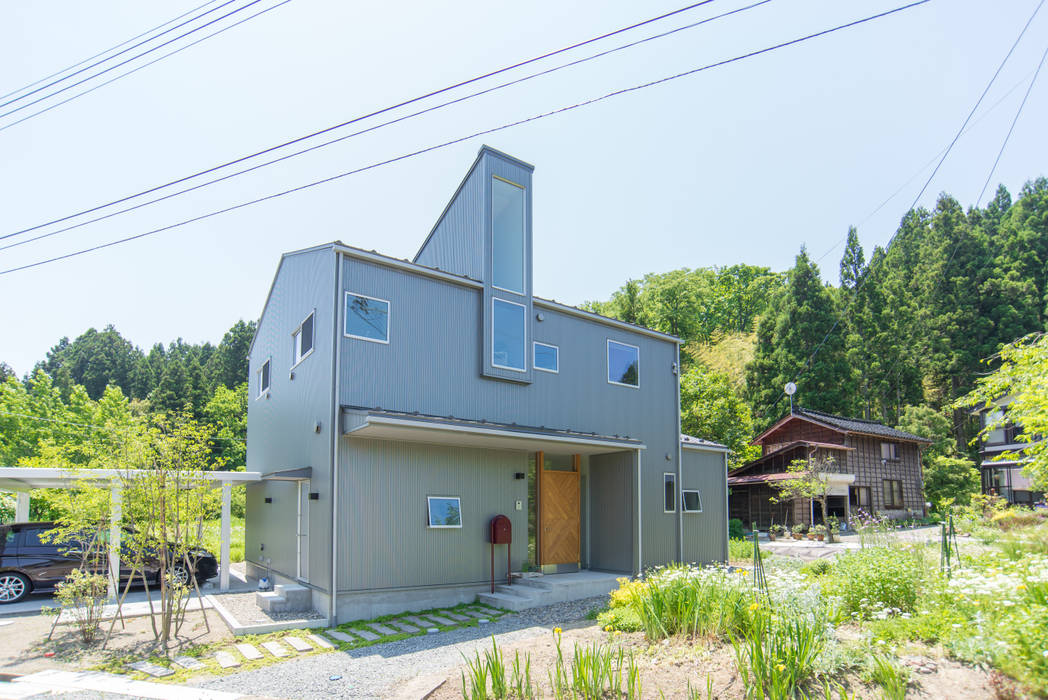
884, 465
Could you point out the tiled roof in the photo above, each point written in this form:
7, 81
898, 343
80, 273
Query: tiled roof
700, 442
857, 425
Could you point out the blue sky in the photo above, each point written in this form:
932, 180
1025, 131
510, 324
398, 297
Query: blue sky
740, 164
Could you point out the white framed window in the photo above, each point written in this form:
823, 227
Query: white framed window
690, 501
508, 335
302, 341
508, 232
444, 511
264, 376
669, 487
889, 451
546, 357
623, 364
367, 318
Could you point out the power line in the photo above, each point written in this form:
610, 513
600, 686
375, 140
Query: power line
1011, 128
375, 113
124, 62
138, 68
375, 127
484, 132
891, 240
103, 53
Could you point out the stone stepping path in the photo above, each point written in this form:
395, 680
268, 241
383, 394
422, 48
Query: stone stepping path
152, 669
487, 609
381, 629
474, 613
189, 662
248, 651
298, 644
276, 649
404, 627
226, 660
364, 634
340, 636
455, 616
420, 621
319, 641
443, 621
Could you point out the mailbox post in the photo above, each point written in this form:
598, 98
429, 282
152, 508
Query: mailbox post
501, 532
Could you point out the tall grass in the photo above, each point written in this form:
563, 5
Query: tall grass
776, 656
678, 600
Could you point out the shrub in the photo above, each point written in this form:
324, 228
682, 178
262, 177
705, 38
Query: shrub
83, 595
890, 676
741, 550
1015, 518
819, 567
623, 619
735, 531
877, 581
778, 654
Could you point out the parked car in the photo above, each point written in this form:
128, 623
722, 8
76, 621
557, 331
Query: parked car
31, 564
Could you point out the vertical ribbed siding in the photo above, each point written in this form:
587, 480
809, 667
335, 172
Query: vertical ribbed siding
613, 511
383, 538
705, 533
456, 243
280, 429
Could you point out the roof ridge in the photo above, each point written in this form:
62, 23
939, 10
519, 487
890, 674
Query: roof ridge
834, 415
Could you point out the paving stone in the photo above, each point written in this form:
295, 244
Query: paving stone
319, 641
474, 613
365, 634
189, 662
226, 660
443, 621
420, 621
249, 651
454, 616
276, 649
487, 609
404, 627
340, 636
152, 669
381, 629
298, 644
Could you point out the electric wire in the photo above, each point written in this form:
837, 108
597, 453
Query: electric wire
375, 127
428, 149
103, 53
375, 113
911, 208
144, 65
122, 63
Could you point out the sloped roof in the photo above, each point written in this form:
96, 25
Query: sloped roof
700, 442
843, 424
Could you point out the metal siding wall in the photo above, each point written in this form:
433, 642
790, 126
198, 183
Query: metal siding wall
272, 525
280, 428
433, 365
457, 242
613, 506
383, 538
705, 533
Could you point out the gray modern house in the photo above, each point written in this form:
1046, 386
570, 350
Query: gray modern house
398, 406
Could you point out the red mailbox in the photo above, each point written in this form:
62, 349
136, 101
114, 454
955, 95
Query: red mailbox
501, 532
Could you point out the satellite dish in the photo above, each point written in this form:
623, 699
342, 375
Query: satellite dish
790, 388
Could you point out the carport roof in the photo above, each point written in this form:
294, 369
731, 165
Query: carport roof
27, 478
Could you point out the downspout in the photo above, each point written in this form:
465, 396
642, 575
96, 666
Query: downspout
680, 469
727, 513
336, 430
640, 531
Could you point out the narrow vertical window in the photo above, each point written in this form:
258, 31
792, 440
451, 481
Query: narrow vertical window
669, 485
507, 335
263, 378
507, 236
302, 340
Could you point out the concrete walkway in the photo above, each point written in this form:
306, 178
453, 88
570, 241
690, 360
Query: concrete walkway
59, 683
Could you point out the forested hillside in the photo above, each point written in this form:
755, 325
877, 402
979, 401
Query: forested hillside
904, 333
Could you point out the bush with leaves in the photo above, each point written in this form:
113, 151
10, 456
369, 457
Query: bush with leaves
82, 595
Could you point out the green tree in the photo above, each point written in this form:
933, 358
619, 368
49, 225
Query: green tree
711, 408
947, 477
228, 364
95, 360
227, 414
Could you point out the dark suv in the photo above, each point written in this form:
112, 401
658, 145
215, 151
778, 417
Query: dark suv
30, 564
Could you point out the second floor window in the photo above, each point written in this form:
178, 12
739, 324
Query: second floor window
507, 335
367, 318
669, 498
507, 235
263, 378
302, 340
889, 451
547, 357
623, 364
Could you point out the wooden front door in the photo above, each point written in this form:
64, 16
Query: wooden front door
558, 510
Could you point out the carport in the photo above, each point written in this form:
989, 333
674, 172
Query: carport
22, 480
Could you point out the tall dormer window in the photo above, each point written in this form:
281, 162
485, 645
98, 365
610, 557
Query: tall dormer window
508, 235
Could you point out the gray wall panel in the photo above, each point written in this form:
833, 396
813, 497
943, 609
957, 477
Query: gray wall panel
705, 533
271, 533
456, 242
383, 538
613, 507
281, 427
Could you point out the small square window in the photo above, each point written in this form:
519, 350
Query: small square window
302, 340
547, 357
444, 511
367, 318
889, 451
669, 485
263, 378
623, 364
690, 501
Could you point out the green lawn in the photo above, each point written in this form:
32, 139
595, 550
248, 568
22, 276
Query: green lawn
236, 543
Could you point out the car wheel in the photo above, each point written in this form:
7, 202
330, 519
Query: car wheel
179, 574
13, 587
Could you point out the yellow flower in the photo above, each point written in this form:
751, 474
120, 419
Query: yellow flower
754, 606
1021, 587
779, 667
607, 628
557, 630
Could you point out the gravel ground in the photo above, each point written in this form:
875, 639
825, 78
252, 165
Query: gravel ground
373, 672
246, 612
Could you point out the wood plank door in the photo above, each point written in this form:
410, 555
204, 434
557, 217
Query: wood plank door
559, 521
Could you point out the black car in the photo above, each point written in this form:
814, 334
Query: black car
29, 564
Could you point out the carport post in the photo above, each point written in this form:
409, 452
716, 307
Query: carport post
115, 530
22, 507
223, 576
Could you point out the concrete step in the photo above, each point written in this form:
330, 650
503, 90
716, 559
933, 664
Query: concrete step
297, 597
533, 582
520, 591
508, 601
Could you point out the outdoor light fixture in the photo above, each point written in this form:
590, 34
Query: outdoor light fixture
314, 496
269, 499
519, 475
540, 317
